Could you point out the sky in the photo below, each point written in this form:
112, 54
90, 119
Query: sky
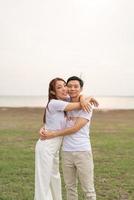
44, 39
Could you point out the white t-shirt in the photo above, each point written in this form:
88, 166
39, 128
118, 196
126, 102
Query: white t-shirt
55, 120
55, 117
80, 140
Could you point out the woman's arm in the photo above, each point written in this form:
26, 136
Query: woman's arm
77, 105
91, 100
84, 104
80, 122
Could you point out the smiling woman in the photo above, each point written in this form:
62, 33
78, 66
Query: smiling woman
47, 176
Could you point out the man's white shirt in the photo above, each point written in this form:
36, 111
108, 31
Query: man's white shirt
79, 141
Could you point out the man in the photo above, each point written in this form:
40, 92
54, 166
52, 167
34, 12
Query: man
76, 151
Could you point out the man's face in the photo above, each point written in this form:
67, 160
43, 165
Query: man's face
74, 88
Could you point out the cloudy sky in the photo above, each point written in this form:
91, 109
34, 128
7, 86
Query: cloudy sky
42, 39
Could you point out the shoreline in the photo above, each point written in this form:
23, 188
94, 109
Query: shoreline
42, 108
105, 103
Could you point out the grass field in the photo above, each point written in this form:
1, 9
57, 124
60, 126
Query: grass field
112, 137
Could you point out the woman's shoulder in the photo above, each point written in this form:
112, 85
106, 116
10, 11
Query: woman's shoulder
57, 104
54, 102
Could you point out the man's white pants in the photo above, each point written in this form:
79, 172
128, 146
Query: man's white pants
47, 175
78, 164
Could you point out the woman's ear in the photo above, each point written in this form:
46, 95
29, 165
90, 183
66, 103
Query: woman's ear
52, 92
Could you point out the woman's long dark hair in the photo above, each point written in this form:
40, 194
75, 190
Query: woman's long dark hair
51, 93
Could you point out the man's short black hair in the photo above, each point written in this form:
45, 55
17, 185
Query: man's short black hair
76, 78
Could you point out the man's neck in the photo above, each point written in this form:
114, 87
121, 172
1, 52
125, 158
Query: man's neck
76, 99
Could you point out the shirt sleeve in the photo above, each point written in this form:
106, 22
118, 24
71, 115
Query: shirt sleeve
57, 105
86, 115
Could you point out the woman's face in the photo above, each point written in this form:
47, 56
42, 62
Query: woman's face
61, 90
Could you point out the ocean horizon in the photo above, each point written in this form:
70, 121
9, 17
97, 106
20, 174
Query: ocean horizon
105, 102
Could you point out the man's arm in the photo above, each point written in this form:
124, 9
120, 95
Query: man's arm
80, 122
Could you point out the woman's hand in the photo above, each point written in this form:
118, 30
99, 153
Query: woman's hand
42, 133
85, 105
45, 134
93, 101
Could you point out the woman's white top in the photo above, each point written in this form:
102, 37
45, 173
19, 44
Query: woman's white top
55, 120
55, 116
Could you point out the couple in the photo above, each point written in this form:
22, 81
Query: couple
67, 116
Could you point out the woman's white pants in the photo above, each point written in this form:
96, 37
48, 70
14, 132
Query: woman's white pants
47, 175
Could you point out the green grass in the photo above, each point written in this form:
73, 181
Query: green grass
112, 137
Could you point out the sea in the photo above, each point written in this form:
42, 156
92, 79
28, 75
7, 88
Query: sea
105, 102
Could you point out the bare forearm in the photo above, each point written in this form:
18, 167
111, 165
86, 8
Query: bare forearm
71, 130
67, 131
73, 106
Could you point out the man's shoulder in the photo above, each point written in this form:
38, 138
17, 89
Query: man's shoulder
80, 113
84, 114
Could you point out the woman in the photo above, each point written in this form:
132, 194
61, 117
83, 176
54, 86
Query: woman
47, 176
